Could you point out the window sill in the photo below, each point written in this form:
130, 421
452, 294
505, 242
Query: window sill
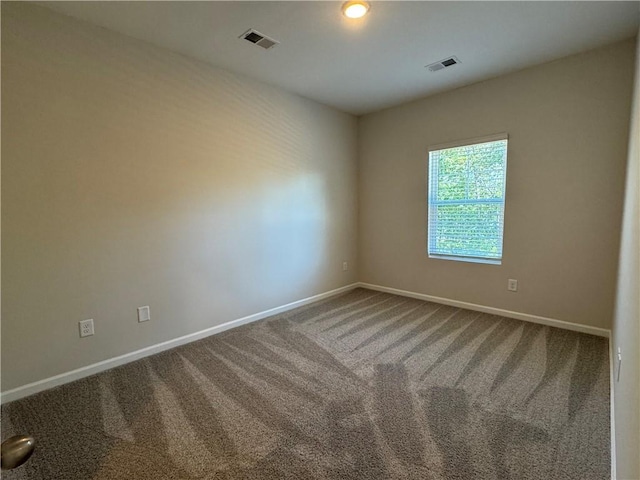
486, 261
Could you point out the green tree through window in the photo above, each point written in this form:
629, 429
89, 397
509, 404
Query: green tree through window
466, 201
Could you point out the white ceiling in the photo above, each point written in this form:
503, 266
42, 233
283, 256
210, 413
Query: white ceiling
360, 66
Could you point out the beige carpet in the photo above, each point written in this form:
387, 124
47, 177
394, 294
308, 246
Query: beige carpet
366, 385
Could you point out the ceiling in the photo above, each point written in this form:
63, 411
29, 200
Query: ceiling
359, 66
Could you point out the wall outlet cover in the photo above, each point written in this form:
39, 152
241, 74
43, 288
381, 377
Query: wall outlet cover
86, 328
144, 314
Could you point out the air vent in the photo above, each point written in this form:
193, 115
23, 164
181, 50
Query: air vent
259, 39
447, 62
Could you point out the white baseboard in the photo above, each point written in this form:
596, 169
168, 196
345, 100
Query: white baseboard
612, 380
47, 383
601, 332
51, 382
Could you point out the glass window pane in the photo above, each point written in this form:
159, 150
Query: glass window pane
466, 200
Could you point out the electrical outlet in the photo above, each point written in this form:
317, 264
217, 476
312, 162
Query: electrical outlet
512, 285
144, 314
86, 328
345, 266
619, 364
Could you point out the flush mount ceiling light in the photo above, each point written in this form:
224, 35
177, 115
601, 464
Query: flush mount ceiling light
355, 9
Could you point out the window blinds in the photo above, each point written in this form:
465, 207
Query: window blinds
466, 200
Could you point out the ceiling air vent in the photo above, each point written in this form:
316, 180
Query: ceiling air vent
447, 62
259, 39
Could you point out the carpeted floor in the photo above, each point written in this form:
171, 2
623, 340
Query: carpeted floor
366, 385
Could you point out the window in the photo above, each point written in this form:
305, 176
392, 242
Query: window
466, 200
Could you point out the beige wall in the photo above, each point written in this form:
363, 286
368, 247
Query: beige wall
568, 123
626, 323
133, 176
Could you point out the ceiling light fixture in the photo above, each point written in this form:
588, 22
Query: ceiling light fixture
355, 9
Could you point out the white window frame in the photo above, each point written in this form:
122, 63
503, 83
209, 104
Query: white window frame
432, 202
